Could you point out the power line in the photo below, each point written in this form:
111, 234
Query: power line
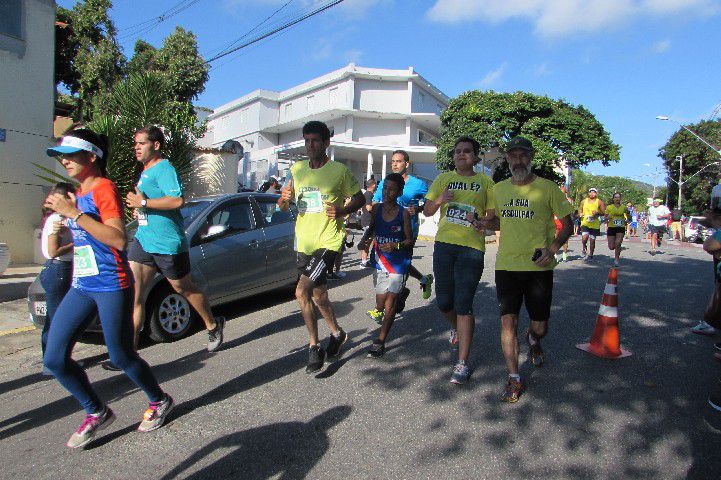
276, 30
254, 28
151, 23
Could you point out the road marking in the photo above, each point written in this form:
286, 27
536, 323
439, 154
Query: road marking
16, 330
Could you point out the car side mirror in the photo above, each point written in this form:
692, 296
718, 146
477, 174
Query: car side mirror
215, 231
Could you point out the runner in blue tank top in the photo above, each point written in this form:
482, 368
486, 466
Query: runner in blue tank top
392, 239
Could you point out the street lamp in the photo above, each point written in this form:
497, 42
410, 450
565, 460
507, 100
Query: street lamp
669, 119
681, 182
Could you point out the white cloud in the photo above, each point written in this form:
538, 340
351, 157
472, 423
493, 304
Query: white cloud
559, 18
542, 70
493, 76
353, 56
661, 46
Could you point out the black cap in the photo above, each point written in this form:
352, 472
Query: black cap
519, 142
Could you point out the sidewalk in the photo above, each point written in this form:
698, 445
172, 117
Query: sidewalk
15, 281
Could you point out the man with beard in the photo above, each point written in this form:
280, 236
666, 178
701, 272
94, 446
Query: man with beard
524, 208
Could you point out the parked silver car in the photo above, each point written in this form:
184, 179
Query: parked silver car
241, 244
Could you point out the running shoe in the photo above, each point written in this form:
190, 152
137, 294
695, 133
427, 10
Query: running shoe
461, 373
376, 315
335, 342
110, 366
402, 300
90, 426
316, 358
535, 352
714, 400
215, 336
512, 391
427, 286
156, 414
703, 328
377, 349
717, 356
717, 347
453, 337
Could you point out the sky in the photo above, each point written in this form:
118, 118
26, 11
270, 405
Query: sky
627, 61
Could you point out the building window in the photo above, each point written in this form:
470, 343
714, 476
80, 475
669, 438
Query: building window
11, 18
333, 96
422, 98
332, 131
426, 138
311, 103
243, 116
288, 110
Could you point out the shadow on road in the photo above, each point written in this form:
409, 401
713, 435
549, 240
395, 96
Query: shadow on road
285, 450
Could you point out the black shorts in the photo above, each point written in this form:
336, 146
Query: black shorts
660, 229
535, 288
172, 267
613, 231
592, 232
316, 266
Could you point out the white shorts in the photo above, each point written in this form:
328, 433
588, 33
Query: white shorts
385, 282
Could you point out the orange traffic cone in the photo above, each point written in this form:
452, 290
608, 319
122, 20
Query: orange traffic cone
605, 340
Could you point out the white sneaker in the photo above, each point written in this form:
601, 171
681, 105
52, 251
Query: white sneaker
703, 328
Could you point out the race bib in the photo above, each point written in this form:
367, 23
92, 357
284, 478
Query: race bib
458, 213
142, 217
618, 223
84, 264
310, 201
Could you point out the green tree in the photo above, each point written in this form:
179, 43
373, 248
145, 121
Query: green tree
139, 100
557, 129
89, 60
630, 190
144, 58
696, 156
185, 70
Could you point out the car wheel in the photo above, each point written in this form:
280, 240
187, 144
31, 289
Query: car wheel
171, 316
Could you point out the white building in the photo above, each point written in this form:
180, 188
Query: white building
27, 48
371, 112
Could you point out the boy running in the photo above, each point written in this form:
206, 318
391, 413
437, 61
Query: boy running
391, 232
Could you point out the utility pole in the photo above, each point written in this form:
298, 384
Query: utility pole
680, 179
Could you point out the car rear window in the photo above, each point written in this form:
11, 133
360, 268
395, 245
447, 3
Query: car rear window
191, 210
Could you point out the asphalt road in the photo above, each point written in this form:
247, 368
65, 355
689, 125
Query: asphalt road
250, 411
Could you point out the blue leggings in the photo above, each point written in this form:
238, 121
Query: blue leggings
74, 314
55, 279
458, 270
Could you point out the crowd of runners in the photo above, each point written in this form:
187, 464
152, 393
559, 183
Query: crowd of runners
532, 215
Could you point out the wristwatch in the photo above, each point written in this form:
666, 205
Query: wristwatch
143, 202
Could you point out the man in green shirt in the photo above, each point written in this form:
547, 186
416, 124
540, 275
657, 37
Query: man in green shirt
319, 187
524, 207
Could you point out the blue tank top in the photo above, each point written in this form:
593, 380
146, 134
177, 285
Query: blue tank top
397, 261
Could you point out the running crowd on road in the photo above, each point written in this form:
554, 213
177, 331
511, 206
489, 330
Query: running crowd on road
85, 234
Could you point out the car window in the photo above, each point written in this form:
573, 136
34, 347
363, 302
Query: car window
236, 216
273, 215
191, 210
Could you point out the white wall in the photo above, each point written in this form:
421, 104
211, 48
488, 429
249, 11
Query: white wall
423, 102
26, 104
381, 96
380, 132
328, 97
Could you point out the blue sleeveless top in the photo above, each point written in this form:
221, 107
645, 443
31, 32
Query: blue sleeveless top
397, 261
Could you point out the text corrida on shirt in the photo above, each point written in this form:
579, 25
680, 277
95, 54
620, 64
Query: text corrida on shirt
517, 202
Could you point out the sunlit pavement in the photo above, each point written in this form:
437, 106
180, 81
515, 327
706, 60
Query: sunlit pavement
250, 411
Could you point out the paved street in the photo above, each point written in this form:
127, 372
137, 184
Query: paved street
251, 412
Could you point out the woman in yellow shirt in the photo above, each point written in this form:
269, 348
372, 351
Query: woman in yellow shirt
617, 216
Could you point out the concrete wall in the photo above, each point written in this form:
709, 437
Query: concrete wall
212, 173
381, 96
26, 105
380, 132
328, 97
423, 102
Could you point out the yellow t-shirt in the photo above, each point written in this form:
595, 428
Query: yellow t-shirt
526, 213
617, 216
332, 183
472, 194
591, 212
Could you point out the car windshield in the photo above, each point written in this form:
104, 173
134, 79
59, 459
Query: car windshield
191, 210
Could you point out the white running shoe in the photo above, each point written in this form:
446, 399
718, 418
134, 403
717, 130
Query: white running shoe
703, 328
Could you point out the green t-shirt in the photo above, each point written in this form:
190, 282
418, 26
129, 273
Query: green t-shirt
526, 214
617, 215
332, 183
472, 194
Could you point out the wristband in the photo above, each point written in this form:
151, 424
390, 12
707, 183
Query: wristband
75, 219
399, 246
